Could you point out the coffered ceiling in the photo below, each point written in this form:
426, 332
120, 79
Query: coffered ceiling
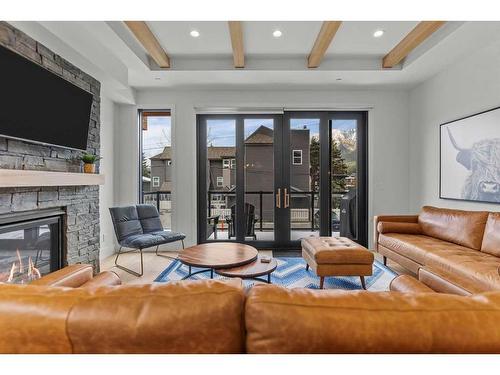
291, 54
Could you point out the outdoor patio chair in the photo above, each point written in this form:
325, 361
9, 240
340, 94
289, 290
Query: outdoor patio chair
250, 221
212, 223
139, 227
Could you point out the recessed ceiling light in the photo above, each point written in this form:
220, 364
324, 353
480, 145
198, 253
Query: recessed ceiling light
194, 33
378, 33
277, 33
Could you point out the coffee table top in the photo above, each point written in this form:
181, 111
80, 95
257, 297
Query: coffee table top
218, 255
250, 270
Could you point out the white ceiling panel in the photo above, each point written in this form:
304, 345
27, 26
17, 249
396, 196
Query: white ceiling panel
175, 37
297, 37
356, 37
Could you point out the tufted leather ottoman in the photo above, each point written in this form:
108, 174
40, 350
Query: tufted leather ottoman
337, 256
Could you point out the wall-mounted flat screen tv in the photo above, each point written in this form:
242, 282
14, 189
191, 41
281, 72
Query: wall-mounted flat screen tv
39, 106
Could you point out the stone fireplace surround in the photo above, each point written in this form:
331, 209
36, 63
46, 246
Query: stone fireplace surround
81, 203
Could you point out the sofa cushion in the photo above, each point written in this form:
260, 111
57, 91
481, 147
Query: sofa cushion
464, 228
280, 320
416, 247
481, 269
180, 317
476, 267
491, 239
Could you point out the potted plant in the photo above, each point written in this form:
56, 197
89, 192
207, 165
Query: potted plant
89, 161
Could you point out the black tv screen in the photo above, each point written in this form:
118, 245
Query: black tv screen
38, 105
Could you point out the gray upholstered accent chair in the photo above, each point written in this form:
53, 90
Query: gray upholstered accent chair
139, 227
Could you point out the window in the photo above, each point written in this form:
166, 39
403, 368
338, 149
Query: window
229, 163
297, 157
155, 155
220, 181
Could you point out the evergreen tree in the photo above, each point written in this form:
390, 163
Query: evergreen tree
338, 166
146, 169
314, 163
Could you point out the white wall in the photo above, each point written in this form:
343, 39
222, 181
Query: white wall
388, 142
467, 87
106, 191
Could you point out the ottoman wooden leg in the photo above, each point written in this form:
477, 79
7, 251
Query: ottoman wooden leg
321, 282
385, 261
363, 282
307, 266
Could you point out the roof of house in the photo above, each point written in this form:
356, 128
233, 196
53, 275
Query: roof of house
214, 152
261, 135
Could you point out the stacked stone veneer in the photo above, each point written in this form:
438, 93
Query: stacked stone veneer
81, 203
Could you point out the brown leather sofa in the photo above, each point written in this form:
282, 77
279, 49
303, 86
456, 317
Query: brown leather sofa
451, 251
221, 317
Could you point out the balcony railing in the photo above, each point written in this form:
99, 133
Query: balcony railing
297, 215
163, 202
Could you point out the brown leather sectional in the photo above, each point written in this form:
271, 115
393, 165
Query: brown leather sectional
451, 251
221, 317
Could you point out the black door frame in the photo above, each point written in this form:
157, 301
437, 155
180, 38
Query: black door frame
282, 162
201, 148
362, 168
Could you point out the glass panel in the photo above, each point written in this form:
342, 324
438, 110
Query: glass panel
259, 179
25, 254
344, 176
304, 178
221, 179
157, 165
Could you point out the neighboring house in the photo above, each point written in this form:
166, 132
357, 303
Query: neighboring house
259, 171
146, 183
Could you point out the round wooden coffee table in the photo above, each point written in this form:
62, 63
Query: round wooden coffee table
251, 270
220, 255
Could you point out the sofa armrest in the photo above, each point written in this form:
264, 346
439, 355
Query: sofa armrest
71, 276
393, 219
105, 278
408, 284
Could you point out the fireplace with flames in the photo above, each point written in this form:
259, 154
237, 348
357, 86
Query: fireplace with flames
30, 246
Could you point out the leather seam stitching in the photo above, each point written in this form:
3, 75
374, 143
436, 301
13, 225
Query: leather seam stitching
66, 323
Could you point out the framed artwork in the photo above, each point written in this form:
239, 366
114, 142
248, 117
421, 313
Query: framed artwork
470, 158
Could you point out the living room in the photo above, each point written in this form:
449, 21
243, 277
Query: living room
182, 178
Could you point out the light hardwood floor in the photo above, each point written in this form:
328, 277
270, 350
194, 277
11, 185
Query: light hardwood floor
153, 265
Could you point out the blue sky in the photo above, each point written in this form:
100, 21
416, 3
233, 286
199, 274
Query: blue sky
157, 136
223, 132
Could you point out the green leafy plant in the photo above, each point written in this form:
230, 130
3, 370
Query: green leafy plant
90, 158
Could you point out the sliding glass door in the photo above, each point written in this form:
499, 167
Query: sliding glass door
271, 180
238, 171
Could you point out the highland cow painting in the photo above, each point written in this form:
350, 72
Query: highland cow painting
470, 158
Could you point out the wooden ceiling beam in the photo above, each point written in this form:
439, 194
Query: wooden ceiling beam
236, 32
323, 41
144, 35
411, 41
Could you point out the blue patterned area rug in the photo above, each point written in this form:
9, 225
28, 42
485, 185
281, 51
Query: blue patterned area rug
291, 273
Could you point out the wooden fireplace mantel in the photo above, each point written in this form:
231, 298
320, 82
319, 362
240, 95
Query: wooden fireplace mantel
25, 178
